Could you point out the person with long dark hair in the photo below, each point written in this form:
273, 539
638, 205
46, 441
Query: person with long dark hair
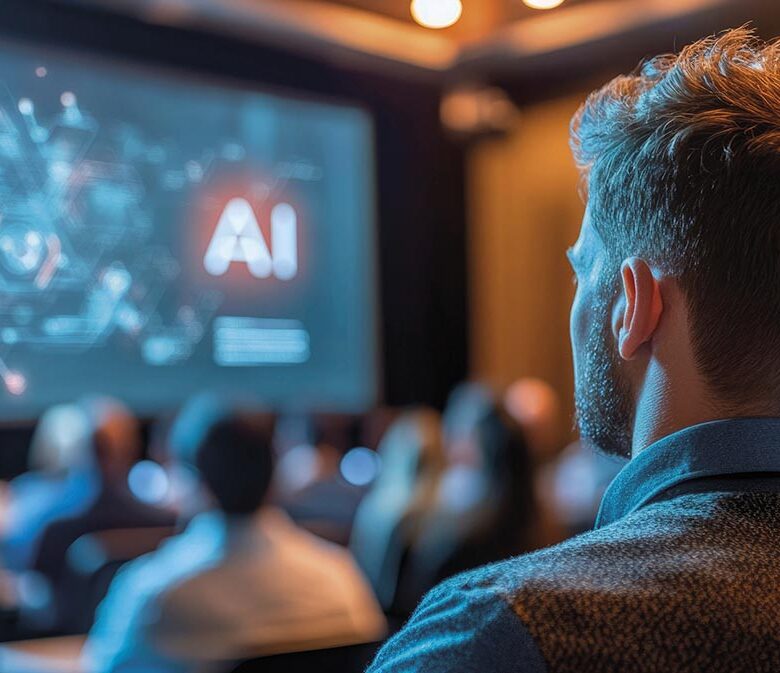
486, 509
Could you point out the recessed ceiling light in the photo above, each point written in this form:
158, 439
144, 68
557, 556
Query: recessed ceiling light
543, 4
436, 13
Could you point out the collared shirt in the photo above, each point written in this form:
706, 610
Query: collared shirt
467, 624
226, 587
715, 450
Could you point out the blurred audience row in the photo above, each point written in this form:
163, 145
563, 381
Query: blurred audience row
234, 534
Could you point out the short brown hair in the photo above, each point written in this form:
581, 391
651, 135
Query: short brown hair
681, 160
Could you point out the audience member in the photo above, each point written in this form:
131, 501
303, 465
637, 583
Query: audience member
241, 579
463, 482
389, 518
468, 402
535, 405
115, 445
576, 484
498, 524
59, 483
676, 351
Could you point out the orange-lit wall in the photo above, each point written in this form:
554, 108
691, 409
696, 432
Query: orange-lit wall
524, 212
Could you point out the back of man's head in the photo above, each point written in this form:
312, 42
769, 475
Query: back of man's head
682, 164
115, 436
234, 457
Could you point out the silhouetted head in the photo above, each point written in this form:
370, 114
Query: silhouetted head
332, 435
506, 457
467, 404
115, 436
411, 452
190, 425
234, 458
535, 405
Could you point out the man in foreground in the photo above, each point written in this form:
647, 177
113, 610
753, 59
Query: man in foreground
675, 329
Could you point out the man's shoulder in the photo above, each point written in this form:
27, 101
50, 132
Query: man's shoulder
489, 617
665, 564
673, 567
610, 556
562, 567
464, 625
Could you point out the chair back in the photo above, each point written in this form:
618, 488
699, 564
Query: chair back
91, 563
350, 659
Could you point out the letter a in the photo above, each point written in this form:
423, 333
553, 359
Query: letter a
238, 238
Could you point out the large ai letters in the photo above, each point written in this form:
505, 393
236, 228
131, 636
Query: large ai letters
238, 238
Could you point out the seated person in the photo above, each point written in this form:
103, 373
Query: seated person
576, 484
115, 445
242, 579
58, 483
459, 534
388, 520
536, 407
676, 351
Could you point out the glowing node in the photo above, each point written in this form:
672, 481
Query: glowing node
297, 467
543, 4
360, 466
117, 280
15, 383
194, 171
21, 250
68, 99
149, 482
186, 314
41, 71
26, 106
436, 13
60, 170
9, 335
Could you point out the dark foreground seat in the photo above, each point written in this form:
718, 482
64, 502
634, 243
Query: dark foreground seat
352, 659
91, 563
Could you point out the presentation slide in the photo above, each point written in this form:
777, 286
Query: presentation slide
164, 234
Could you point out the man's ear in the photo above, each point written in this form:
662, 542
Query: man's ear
643, 307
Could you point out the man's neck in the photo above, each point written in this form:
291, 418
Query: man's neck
666, 405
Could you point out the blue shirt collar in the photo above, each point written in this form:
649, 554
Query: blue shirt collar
717, 448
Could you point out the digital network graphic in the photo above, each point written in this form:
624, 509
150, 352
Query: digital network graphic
82, 265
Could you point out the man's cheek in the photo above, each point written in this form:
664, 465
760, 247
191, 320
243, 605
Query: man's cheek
577, 324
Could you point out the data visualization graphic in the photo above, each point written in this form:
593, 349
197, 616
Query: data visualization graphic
161, 235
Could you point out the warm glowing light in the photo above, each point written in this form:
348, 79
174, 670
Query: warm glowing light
15, 383
436, 13
543, 4
68, 99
